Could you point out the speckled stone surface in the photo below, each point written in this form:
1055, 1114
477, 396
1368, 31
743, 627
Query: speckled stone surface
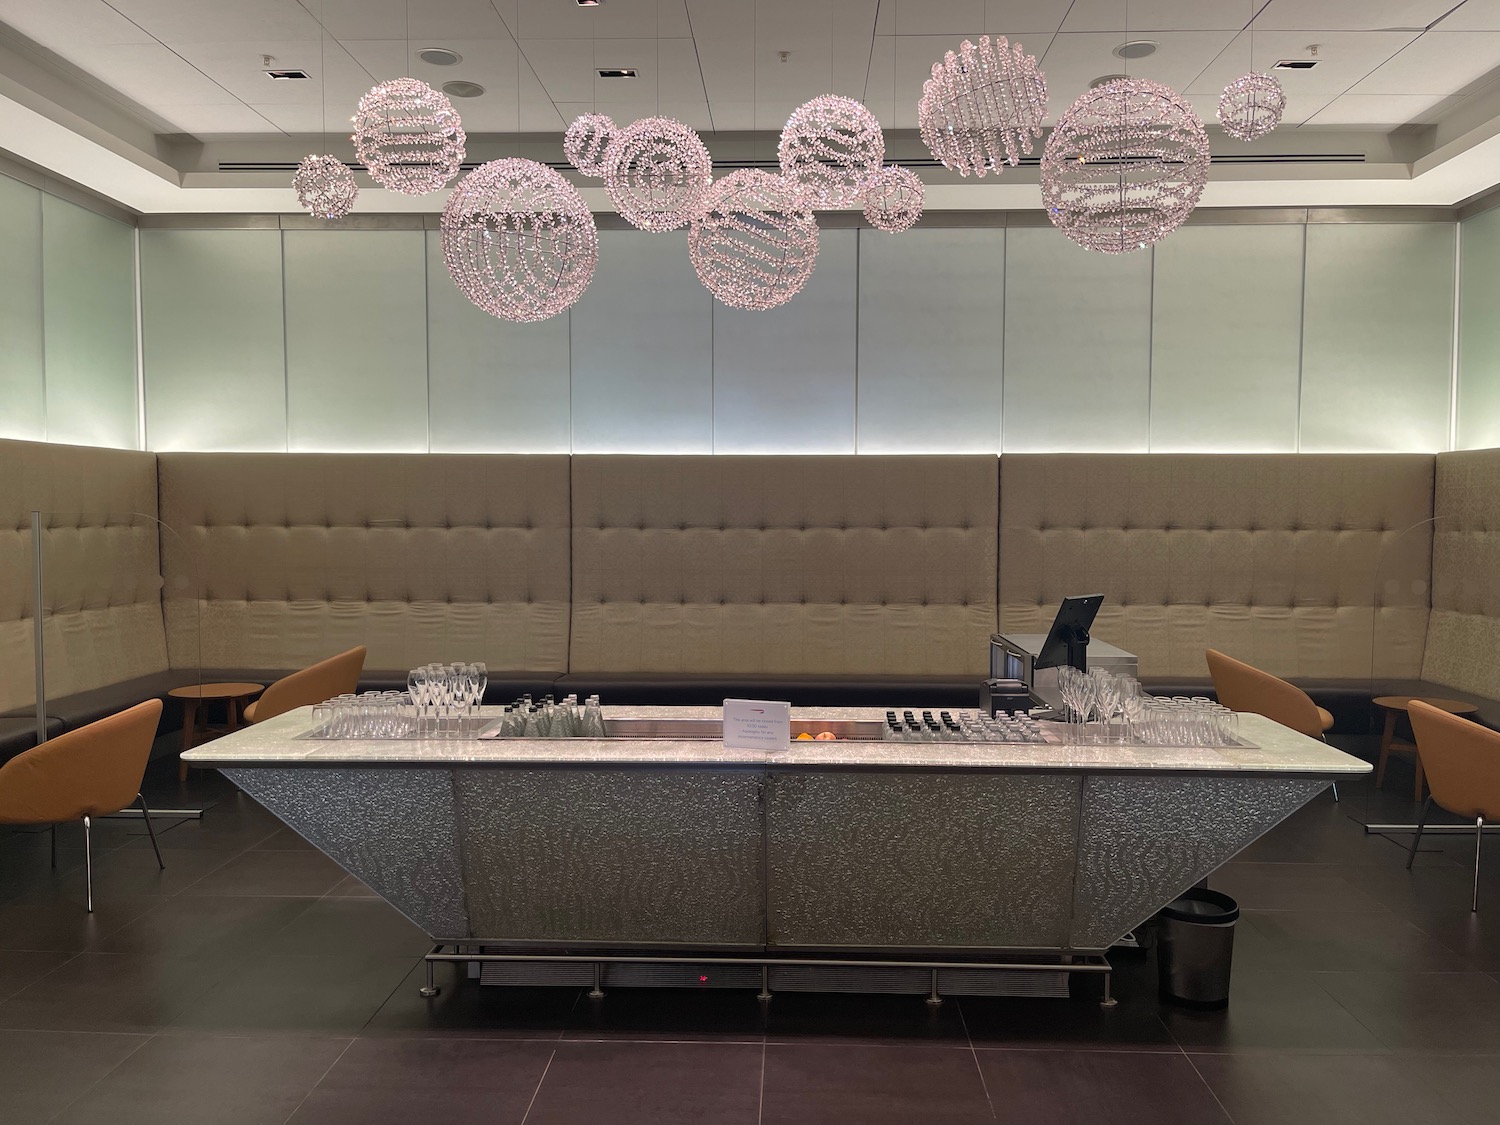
280, 741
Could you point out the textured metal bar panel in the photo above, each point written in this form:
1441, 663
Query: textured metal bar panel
963, 860
1145, 840
392, 828
613, 856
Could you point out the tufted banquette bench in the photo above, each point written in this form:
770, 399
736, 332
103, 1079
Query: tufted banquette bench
841, 580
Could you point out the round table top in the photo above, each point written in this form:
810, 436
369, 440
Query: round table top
215, 691
1452, 706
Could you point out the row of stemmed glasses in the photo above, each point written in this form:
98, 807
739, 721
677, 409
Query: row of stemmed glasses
447, 698
1102, 694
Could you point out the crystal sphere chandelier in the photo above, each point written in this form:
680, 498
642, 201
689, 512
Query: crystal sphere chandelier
830, 147
585, 141
656, 171
325, 187
1251, 106
982, 106
893, 200
1125, 166
754, 243
408, 136
518, 240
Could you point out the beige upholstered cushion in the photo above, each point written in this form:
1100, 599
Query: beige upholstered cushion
103, 581
1463, 638
1304, 565
419, 558
833, 565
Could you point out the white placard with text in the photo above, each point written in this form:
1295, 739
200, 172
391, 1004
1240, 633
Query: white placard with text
756, 724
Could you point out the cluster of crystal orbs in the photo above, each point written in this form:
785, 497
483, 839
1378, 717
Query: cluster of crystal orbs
982, 106
518, 240
830, 147
893, 200
585, 141
325, 187
408, 136
656, 171
1251, 106
1125, 166
754, 243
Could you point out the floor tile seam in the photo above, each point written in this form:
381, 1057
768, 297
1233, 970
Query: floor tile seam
983, 1082
388, 996
1373, 1032
537, 1089
71, 957
146, 1038
626, 1038
227, 861
329, 1070
1172, 1048
1224, 1109
760, 1104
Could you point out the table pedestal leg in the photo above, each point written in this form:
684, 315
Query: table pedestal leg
189, 729
1385, 747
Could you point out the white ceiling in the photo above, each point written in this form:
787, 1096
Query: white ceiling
190, 71
196, 65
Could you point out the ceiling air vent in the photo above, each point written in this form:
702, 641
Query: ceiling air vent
287, 75
617, 72
1296, 64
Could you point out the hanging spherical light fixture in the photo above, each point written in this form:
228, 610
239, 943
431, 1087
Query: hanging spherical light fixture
585, 141
1251, 106
830, 147
408, 136
518, 240
753, 243
325, 187
982, 106
656, 171
893, 200
1125, 166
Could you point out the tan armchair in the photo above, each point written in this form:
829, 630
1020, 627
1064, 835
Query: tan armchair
92, 771
1244, 687
335, 676
1462, 763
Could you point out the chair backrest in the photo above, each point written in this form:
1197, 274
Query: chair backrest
1461, 760
91, 771
323, 680
1244, 687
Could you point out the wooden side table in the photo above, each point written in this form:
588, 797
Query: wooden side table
1395, 706
235, 697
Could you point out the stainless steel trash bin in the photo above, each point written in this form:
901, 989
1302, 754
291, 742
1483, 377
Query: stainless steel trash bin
1195, 947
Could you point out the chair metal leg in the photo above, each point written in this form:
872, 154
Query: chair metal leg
1417, 838
1478, 841
150, 828
88, 865
1335, 792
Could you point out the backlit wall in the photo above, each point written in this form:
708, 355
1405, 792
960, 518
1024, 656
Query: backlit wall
1247, 337
67, 321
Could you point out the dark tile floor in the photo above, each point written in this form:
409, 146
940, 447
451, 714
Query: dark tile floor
253, 982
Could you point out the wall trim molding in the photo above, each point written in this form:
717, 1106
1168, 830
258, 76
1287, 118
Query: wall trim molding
39, 178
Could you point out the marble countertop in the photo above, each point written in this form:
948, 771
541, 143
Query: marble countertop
279, 742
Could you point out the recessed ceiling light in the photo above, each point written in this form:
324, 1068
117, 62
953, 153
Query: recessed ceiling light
462, 89
589, 3
1105, 80
287, 75
439, 56
617, 72
1136, 49
1296, 64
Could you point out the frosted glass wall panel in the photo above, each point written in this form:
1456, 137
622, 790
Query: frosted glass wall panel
1479, 333
211, 335
23, 401
88, 301
1377, 337
931, 329
356, 340
496, 387
1077, 346
642, 339
784, 378
1226, 340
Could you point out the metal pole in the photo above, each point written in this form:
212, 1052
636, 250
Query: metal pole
1375, 829
38, 644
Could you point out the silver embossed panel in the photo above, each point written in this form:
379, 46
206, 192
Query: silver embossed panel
393, 828
914, 860
1146, 839
613, 855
